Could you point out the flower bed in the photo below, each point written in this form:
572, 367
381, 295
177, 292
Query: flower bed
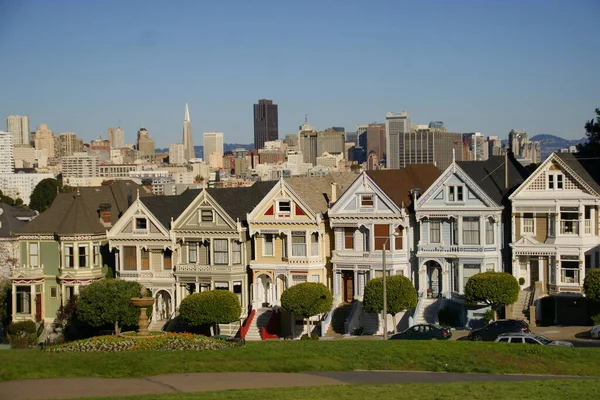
169, 342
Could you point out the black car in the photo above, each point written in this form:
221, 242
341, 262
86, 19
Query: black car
491, 331
424, 332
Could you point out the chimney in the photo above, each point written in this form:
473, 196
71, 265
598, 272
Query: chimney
333, 193
105, 214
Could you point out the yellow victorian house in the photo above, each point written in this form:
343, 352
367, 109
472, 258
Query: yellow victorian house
292, 239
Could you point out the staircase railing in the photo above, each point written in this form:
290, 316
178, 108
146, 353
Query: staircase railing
273, 324
413, 319
246, 325
354, 318
326, 322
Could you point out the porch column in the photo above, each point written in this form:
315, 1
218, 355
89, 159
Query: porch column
14, 301
138, 258
355, 283
422, 278
461, 277
32, 301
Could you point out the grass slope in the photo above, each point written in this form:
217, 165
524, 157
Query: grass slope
547, 390
298, 356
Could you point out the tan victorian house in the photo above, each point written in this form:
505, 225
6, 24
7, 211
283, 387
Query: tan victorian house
292, 239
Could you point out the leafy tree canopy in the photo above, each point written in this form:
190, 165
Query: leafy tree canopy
210, 307
307, 299
496, 289
107, 301
401, 295
591, 284
592, 131
44, 194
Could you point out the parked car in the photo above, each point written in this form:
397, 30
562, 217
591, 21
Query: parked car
424, 332
595, 332
491, 331
530, 338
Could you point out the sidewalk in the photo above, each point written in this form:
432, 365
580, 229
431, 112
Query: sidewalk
65, 388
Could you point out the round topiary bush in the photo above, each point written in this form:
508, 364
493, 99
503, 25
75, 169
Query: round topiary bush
210, 307
401, 296
22, 334
521, 281
497, 289
307, 299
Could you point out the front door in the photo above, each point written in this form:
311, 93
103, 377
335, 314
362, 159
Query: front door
38, 306
347, 286
534, 271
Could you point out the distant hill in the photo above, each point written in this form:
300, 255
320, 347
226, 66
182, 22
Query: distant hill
550, 143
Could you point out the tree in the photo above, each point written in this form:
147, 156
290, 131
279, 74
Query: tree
44, 194
401, 296
591, 284
106, 302
497, 289
307, 299
212, 307
592, 131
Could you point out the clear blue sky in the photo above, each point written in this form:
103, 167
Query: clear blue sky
480, 65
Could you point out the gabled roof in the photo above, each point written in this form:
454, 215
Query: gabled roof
587, 168
397, 183
316, 191
489, 175
166, 207
78, 212
12, 219
237, 202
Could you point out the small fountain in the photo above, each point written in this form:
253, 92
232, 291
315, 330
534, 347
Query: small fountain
143, 302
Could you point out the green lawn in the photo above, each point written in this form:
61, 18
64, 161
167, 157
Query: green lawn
547, 390
297, 356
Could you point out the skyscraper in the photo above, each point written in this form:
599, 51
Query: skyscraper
307, 143
66, 144
116, 137
6, 153
266, 123
396, 125
145, 144
213, 143
44, 139
18, 126
188, 142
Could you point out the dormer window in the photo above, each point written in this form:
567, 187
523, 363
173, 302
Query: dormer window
455, 193
284, 206
141, 224
366, 201
555, 181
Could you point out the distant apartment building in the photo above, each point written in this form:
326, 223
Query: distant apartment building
100, 144
116, 170
80, 165
523, 148
307, 143
145, 144
24, 156
291, 140
266, 122
375, 140
176, 154
213, 148
116, 137
6, 153
66, 144
18, 126
44, 139
397, 126
330, 141
495, 146
477, 147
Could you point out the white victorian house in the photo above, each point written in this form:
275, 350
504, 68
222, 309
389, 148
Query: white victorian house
373, 213
461, 224
555, 235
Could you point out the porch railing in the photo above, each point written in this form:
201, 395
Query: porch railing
413, 319
326, 322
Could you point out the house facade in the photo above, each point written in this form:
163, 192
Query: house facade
555, 234
461, 224
65, 248
292, 239
373, 213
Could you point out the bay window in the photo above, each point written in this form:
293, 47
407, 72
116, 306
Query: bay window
435, 231
382, 233
236, 252
268, 245
298, 244
489, 231
221, 251
314, 244
348, 239
82, 251
471, 230
129, 258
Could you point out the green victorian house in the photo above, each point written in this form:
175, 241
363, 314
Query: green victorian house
65, 248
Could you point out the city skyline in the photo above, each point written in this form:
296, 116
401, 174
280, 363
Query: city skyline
477, 70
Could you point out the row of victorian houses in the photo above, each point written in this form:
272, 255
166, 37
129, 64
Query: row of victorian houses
438, 229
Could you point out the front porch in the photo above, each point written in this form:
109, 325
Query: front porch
557, 273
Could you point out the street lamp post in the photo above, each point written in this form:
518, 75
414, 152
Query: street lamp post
385, 330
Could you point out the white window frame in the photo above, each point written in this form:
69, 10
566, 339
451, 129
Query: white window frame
135, 223
364, 197
236, 252
282, 201
96, 254
553, 182
490, 230
264, 245
296, 245
221, 253
464, 230
314, 244
68, 256
86, 255
34, 255
192, 247
203, 212
439, 229
528, 224
454, 190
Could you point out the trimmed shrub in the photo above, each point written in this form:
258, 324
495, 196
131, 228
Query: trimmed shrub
488, 316
596, 319
448, 317
210, 307
22, 334
307, 299
497, 289
108, 302
401, 296
521, 281
591, 284
312, 336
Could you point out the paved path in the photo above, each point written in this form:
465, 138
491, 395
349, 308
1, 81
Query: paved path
65, 388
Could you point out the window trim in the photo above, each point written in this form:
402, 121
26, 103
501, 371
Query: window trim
299, 234
30, 254
490, 230
370, 198
348, 235
464, 231
439, 229
553, 182
532, 220
226, 251
282, 201
86, 255
206, 213
135, 224
454, 191
264, 245
70, 257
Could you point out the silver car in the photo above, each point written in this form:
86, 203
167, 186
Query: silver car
530, 338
